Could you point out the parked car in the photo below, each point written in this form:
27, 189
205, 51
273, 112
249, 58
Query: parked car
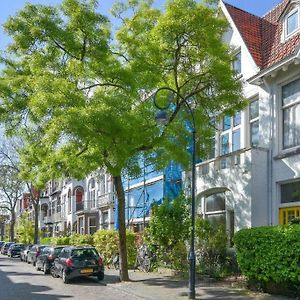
78, 262
15, 250
33, 253
46, 258
24, 252
1, 244
5, 247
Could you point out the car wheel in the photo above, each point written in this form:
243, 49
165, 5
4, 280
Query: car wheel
52, 272
45, 270
100, 276
64, 277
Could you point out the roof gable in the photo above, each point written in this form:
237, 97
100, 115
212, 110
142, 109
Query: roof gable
262, 35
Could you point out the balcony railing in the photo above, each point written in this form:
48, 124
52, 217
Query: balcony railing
237, 159
86, 205
106, 200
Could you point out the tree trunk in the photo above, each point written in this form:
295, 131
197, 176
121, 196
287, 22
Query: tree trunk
12, 226
36, 223
122, 229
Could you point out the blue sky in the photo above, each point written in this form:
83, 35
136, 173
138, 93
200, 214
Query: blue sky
9, 8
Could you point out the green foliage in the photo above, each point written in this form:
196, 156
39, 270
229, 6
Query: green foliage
269, 254
46, 241
77, 239
167, 232
106, 242
25, 229
211, 242
63, 240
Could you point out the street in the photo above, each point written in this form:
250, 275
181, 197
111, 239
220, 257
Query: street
18, 280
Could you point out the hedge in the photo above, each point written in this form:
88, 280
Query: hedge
270, 254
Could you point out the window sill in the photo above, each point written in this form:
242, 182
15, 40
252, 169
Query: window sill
288, 152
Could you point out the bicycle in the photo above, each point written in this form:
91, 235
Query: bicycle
144, 259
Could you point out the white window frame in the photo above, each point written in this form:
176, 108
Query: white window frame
92, 226
283, 108
230, 132
253, 120
235, 54
285, 29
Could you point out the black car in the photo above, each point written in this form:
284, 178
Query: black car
46, 258
5, 247
34, 252
78, 262
24, 252
1, 244
15, 250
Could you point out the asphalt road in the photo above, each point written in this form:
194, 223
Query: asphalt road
20, 281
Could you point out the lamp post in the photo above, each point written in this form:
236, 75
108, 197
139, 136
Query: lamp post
162, 118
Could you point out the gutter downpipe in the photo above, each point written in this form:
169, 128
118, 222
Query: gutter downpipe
270, 153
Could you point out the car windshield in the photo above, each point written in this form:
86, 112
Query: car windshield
84, 253
57, 251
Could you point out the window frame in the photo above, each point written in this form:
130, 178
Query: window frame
230, 132
285, 107
253, 120
297, 29
237, 53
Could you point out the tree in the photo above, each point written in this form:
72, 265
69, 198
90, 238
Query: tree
11, 189
9, 157
25, 229
82, 100
169, 230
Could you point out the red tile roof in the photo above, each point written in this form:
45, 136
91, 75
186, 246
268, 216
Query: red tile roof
262, 35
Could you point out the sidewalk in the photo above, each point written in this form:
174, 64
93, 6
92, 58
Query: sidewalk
155, 286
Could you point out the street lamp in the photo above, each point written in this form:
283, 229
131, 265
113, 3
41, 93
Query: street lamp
162, 118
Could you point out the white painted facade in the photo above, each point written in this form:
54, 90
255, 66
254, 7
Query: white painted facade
250, 180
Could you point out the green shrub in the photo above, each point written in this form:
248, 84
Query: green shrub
211, 242
62, 240
270, 254
46, 241
168, 230
77, 239
107, 241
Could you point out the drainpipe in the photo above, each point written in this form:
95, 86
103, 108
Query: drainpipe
270, 152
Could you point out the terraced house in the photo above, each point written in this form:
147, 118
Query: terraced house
253, 176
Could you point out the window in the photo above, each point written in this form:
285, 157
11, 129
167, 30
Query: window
69, 201
79, 198
105, 220
287, 214
290, 192
92, 225
218, 217
254, 122
92, 193
291, 113
292, 22
236, 64
81, 225
230, 137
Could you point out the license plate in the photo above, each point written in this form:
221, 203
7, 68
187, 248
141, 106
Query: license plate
86, 271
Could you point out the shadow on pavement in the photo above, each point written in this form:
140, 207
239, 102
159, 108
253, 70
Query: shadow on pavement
14, 291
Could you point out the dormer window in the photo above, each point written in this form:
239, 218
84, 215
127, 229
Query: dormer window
291, 22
